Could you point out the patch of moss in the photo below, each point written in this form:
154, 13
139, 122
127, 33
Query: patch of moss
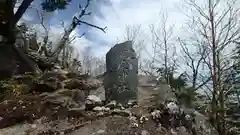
10, 89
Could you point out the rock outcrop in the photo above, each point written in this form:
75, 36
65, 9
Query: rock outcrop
63, 103
72, 112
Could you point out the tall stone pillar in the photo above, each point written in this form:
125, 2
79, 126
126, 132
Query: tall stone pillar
121, 78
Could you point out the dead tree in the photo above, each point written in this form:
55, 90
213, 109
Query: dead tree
87, 61
77, 20
43, 45
53, 56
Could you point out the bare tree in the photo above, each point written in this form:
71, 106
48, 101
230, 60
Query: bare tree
99, 66
193, 57
77, 20
136, 35
132, 32
92, 65
217, 31
87, 60
75, 63
43, 46
162, 45
63, 47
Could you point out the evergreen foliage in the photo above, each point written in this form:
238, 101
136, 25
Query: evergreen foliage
52, 5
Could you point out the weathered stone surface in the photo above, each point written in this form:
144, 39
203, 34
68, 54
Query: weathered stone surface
99, 92
49, 81
73, 111
121, 78
112, 104
65, 97
102, 120
75, 84
92, 101
182, 131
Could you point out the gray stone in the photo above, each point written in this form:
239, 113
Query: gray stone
145, 132
131, 103
125, 113
98, 109
121, 78
182, 131
92, 101
99, 92
173, 108
112, 104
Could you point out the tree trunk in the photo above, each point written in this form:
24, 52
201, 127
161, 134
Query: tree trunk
214, 71
13, 61
64, 58
221, 121
21, 10
8, 27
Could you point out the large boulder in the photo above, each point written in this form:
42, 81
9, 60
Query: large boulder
121, 78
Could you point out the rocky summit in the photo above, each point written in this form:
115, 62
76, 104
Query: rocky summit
60, 102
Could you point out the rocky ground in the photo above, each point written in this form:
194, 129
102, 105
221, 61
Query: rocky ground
59, 102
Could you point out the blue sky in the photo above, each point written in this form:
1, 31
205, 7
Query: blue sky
115, 14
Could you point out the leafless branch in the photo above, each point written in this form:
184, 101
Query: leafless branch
75, 22
71, 40
89, 24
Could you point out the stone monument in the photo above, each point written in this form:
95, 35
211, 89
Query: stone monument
121, 77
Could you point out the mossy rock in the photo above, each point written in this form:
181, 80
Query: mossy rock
10, 89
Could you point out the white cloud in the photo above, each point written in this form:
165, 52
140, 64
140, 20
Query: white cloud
138, 12
80, 43
134, 12
116, 16
55, 34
